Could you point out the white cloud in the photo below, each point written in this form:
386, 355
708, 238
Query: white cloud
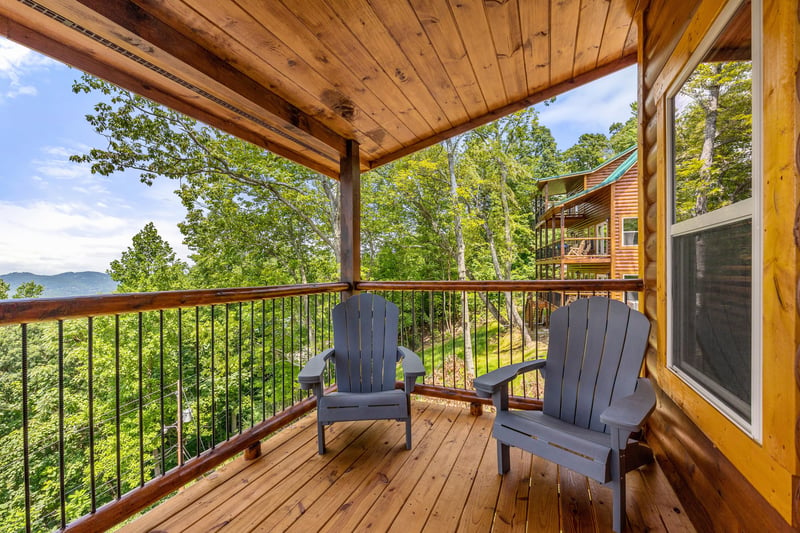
591, 108
49, 238
16, 62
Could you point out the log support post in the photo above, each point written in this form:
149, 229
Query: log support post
253, 451
350, 216
476, 409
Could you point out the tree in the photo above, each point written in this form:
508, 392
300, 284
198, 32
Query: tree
29, 289
623, 136
4, 288
149, 264
239, 198
590, 150
713, 138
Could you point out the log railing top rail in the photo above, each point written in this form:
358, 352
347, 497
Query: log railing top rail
26, 311
587, 285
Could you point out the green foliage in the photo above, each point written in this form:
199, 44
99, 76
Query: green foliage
4, 288
149, 264
713, 138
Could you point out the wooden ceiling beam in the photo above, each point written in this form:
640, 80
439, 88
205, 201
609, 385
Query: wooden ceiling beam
528, 101
140, 23
87, 62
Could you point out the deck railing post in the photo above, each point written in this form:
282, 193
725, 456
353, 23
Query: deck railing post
350, 216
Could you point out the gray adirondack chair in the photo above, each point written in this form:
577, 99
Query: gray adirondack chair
594, 400
365, 355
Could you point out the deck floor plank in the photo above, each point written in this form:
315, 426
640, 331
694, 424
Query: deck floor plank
506, 517
399, 488
478, 513
421, 499
237, 496
367, 476
576, 510
368, 481
449, 506
362, 499
543, 512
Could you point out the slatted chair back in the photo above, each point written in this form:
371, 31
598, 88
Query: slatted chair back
365, 344
595, 354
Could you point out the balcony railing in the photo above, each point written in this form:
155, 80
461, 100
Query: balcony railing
123, 399
576, 248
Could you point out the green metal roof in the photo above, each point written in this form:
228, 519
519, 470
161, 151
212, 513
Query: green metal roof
607, 162
614, 176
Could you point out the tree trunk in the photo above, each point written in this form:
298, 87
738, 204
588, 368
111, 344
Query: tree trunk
513, 315
461, 262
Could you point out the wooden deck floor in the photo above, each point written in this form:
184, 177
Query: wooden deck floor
368, 481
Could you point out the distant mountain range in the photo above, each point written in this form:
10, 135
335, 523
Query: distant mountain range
65, 284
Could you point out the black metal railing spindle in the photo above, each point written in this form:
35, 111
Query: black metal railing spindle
62, 493
90, 370
117, 409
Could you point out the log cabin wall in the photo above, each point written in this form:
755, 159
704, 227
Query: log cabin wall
735, 482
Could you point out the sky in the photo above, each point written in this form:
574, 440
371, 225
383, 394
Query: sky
56, 216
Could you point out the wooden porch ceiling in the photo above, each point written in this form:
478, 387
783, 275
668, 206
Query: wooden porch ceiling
368, 481
302, 77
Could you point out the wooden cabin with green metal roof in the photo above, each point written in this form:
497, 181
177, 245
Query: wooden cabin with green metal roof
587, 224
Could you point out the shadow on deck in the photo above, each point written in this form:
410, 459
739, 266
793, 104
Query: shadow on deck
368, 481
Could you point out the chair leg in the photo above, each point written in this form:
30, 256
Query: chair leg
408, 433
618, 488
321, 437
503, 458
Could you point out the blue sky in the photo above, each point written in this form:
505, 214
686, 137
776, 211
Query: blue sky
55, 216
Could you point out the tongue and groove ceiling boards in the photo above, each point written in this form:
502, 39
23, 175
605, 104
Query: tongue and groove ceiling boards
301, 77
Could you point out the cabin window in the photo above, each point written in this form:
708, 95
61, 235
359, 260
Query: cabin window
630, 231
714, 224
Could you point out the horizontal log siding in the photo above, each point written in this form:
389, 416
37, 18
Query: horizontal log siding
761, 476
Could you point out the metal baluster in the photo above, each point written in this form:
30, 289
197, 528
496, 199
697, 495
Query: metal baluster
179, 394
291, 339
25, 430
263, 360
252, 356
161, 384
239, 414
117, 412
213, 384
90, 369
141, 402
61, 467
283, 353
227, 371
197, 379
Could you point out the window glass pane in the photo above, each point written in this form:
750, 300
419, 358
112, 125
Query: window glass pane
713, 126
630, 231
711, 291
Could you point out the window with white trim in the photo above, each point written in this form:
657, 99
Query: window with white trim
630, 231
713, 322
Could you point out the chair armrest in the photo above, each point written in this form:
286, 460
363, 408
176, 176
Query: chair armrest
311, 374
630, 412
412, 367
489, 383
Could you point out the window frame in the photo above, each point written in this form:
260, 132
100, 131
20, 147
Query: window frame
751, 208
623, 232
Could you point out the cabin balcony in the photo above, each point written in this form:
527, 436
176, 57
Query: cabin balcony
577, 251
126, 399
